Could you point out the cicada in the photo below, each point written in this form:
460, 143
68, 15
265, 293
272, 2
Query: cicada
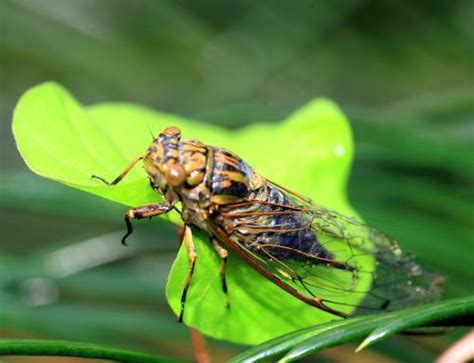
313, 253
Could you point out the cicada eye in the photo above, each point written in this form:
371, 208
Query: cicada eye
176, 175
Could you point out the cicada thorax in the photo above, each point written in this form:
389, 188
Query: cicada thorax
200, 176
231, 179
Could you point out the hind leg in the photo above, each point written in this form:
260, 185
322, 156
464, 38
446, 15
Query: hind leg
223, 254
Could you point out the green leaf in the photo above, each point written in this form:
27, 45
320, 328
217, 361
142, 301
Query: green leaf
280, 345
420, 316
74, 349
299, 344
310, 151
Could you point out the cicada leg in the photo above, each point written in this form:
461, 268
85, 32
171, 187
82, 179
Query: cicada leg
145, 211
223, 254
192, 255
122, 174
180, 230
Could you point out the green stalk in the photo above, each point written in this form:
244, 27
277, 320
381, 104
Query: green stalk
73, 349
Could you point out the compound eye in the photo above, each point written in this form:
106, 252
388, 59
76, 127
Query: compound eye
176, 175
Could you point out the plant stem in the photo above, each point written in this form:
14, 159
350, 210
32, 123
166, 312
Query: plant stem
74, 349
200, 348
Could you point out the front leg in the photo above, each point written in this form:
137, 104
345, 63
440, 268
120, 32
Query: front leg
122, 174
145, 211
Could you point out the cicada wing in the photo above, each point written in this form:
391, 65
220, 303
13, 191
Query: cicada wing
396, 280
279, 273
325, 256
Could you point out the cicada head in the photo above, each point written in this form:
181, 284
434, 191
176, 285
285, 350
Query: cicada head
162, 161
174, 166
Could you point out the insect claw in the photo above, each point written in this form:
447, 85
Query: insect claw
128, 224
100, 178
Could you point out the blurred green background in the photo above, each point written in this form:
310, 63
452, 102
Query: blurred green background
401, 70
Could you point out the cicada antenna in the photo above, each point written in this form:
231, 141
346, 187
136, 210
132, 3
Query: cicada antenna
150, 130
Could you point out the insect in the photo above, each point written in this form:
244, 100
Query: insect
315, 254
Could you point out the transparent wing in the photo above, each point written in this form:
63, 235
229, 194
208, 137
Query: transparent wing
325, 256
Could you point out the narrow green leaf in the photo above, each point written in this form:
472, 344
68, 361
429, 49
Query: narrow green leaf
429, 314
358, 328
74, 349
280, 345
352, 329
306, 341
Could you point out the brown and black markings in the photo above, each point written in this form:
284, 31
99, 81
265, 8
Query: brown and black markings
269, 226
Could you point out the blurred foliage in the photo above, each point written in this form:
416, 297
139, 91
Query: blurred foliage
402, 71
